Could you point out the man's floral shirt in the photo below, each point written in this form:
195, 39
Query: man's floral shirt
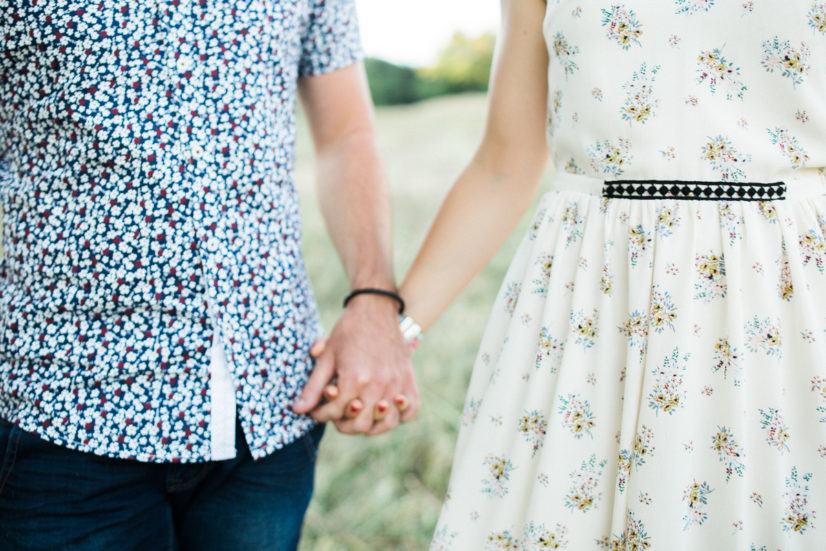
146, 159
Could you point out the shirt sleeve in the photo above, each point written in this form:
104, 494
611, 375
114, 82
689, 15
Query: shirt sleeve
331, 38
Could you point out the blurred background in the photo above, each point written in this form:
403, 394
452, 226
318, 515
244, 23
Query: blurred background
428, 65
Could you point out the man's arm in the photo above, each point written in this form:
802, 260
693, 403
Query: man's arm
365, 351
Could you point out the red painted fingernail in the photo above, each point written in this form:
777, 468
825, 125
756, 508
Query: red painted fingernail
400, 400
356, 407
382, 407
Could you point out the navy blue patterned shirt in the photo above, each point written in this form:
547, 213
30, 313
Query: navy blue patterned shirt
146, 164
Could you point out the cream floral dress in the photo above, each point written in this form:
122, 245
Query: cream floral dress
653, 375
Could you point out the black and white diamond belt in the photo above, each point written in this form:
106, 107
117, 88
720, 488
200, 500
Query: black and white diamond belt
696, 191
803, 185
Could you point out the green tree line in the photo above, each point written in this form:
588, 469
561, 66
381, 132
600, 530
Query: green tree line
463, 66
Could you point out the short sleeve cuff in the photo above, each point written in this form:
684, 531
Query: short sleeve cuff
332, 39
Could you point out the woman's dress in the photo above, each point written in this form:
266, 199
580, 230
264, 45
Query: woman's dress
653, 374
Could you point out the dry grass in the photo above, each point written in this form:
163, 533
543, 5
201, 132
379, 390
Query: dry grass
384, 493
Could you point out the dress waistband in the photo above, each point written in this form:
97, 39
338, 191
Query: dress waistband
803, 185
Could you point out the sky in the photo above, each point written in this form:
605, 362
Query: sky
412, 32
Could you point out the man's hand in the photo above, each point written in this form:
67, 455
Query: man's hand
368, 358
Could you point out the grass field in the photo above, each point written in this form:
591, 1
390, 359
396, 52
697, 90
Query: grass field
384, 493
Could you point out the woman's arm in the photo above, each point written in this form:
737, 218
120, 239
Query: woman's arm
499, 184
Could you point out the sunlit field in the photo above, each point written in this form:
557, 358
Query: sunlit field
384, 493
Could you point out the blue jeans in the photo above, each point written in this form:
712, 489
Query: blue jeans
56, 499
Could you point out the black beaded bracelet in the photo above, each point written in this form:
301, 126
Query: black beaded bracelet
371, 291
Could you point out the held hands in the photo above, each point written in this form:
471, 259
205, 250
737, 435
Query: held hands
363, 371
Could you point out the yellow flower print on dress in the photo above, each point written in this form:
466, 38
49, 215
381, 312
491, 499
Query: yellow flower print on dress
695, 496
536, 223
572, 223
785, 287
639, 243
502, 541
545, 262
710, 277
789, 146
499, 471
533, 427
572, 167
668, 394
639, 103
777, 432
812, 248
539, 538
819, 387
729, 452
663, 310
763, 335
635, 537
796, 517
609, 159
727, 360
767, 211
668, 219
583, 495
549, 348
693, 6
470, 411
511, 298
565, 53
442, 540
553, 112
576, 415
714, 68
634, 457
791, 63
622, 26
635, 328
584, 329
731, 221
725, 159
817, 17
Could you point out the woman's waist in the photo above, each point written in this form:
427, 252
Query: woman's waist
808, 183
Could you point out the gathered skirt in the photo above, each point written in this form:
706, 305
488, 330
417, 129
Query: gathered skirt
652, 376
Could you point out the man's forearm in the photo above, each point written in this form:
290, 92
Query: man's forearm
356, 205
